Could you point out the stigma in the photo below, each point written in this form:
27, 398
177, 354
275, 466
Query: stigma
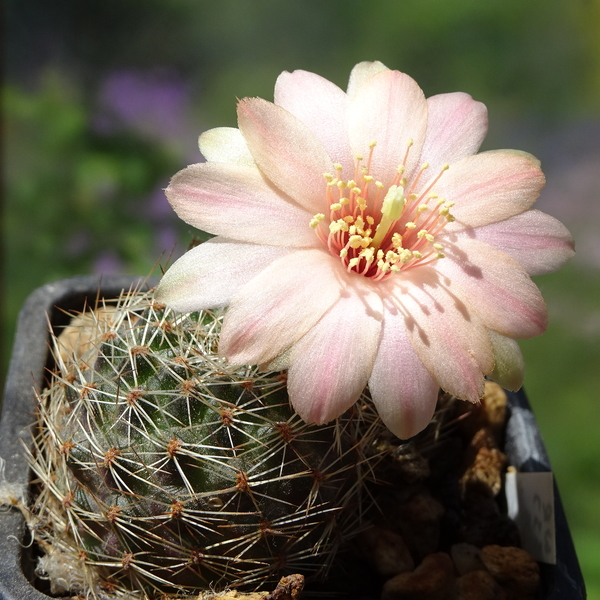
378, 232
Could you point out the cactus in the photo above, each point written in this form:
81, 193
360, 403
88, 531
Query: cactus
162, 469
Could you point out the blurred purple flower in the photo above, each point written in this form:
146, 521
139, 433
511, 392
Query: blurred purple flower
167, 241
108, 263
157, 205
153, 103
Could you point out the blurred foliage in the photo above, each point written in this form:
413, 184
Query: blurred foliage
74, 195
84, 172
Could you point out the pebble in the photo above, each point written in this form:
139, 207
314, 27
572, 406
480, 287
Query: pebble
513, 567
386, 551
431, 580
490, 412
419, 522
466, 558
478, 585
484, 524
485, 465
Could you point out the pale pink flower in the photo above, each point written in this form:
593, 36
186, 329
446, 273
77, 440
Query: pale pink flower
360, 240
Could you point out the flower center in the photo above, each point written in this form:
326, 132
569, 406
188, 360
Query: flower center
377, 232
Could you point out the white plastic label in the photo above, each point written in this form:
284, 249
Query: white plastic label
530, 500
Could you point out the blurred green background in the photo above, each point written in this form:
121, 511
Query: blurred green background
103, 101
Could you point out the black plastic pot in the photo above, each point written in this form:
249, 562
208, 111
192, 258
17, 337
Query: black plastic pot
48, 305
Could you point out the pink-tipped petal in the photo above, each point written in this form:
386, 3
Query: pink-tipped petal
225, 144
286, 151
539, 242
322, 106
331, 364
276, 308
490, 187
236, 202
446, 334
509, 369
496, 286
361, 72
456, 127
402, 389
389, 109
209, 275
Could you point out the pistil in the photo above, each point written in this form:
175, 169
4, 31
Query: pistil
393, 205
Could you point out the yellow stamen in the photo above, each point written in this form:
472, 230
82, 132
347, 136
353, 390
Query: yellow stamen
314, 222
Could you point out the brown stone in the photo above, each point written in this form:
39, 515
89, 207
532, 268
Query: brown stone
419, 521
431, 580
513, 567
495, 403
483, 524
466, 558
410, 465
386, 551
490, 412
484, 465
288, 588
478, 585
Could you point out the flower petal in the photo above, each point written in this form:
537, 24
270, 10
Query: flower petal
236, 202
210, 274
402, 389
509, 369
456, 127
539, 242
322, 106
225, 144
276, 308
490, 187
445, 332
496, 286
361, 72
390, 109
331, 364
286, 151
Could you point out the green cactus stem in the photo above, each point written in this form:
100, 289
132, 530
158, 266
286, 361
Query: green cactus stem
163, 469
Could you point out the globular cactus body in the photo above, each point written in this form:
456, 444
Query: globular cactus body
165, 469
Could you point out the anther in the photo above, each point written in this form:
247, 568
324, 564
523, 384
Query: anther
314, 222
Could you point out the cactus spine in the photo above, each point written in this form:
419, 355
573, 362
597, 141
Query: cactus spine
164, 469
